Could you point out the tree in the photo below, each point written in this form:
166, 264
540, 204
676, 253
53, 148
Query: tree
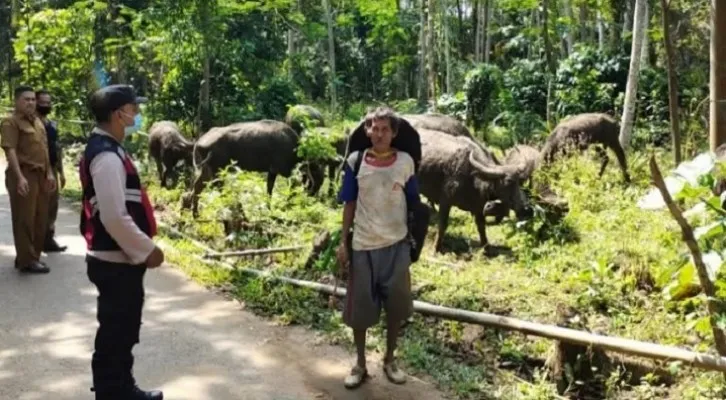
672, 82
718, 74
631, 90
331, 55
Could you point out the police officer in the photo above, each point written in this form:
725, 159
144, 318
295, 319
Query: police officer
28, 178
118, 223
44, 106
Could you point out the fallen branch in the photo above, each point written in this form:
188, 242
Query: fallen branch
618, 345
708, 288
254, 252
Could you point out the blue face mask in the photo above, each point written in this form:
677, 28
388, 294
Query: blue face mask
129, 130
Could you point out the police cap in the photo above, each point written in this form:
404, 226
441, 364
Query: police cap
108, 99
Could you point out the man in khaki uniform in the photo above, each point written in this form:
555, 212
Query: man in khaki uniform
28, 178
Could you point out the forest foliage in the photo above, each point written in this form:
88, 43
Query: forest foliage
511, 69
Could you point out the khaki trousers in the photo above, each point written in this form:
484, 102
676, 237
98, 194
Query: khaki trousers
29, 214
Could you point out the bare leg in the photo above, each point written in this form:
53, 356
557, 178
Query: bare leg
392, 330
359, 337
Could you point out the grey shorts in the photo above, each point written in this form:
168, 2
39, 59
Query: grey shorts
379, 278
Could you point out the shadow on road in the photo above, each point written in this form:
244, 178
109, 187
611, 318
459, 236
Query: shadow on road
194, 344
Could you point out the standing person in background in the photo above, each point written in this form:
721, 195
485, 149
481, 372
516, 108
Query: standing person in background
28, 178
44, 106
118, 223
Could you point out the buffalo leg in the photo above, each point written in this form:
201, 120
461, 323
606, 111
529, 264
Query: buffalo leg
271, 176
620, 154
169, 171
604, 159
202, 179
160, 170
444, 210
481, 226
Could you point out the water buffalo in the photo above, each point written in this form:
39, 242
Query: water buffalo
529, 157
263, 146
456, 171
167, 147
582, 131
438, 122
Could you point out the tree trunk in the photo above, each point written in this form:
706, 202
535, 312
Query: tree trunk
570, 26
546, 36
584, 32
631, 90
487, 38
462, 35
644, 54
628, 18
431, 52
600, 31
331, 57
672, 84
290, 51
422, 87
447, 45
718, 74
478, 43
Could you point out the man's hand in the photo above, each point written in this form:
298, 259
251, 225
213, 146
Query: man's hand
23, 187
343, 257
156, 258
62, 181
50, 184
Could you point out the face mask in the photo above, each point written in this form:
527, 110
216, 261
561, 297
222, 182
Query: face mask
43, 110
128, 130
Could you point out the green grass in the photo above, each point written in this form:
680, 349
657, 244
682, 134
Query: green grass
607, 259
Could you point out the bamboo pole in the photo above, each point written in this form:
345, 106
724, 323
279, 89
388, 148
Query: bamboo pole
615, 344
254, 252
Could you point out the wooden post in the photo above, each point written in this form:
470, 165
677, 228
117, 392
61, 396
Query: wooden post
718, 74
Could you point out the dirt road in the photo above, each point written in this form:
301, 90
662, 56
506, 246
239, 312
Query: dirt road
195, 345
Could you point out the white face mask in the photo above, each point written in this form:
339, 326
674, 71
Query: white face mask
129, 130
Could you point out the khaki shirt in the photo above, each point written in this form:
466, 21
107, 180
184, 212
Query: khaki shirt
28, 138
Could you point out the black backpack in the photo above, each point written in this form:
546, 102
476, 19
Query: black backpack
418, 221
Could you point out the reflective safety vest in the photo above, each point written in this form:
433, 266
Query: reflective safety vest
138, 205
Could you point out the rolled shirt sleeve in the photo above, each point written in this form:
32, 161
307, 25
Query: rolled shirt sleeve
8, 134
109, 180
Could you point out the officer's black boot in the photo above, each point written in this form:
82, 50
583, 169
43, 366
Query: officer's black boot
136, 392
50, 245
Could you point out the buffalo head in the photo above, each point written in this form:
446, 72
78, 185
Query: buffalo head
503, 181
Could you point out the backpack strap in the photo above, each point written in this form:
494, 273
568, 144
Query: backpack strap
358, 161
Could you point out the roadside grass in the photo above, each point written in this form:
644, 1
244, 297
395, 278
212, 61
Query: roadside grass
607, 259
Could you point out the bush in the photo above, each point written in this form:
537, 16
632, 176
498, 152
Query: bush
589, 81
275, 96
482, 87
454, 105
526, 83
